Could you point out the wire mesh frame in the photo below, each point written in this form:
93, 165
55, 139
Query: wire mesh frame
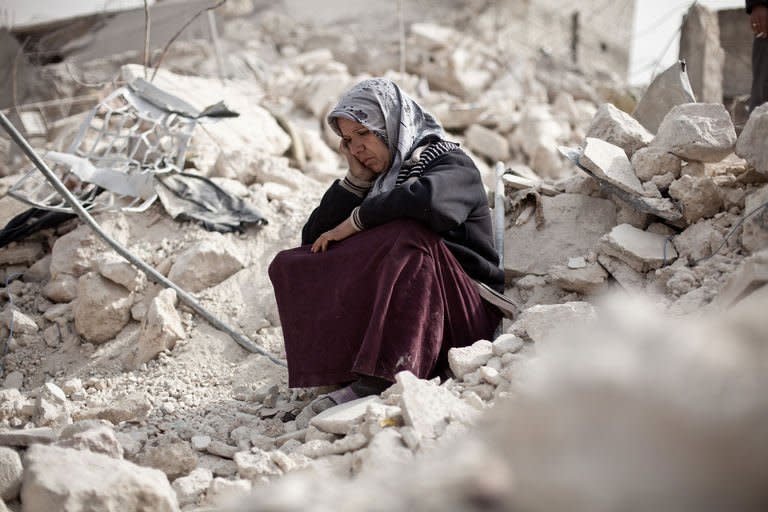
123, 134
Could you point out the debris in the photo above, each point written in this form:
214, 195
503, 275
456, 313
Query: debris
206, 264
700, 49
650, 162
341, 419
10, 474
468, 359
103, 308
751, 144
641, 250
539, 323
161, 329
754, 235
700, 197
670, 88
610, 163
702, 132
619, 128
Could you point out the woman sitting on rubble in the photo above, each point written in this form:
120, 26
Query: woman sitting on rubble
384, 279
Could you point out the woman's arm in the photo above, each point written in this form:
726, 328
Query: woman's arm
335, 207
442, 198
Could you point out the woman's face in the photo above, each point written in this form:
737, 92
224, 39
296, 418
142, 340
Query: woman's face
364, 145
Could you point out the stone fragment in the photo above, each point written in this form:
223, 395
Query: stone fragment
429, 408
626, 276
751, 144
13, 380
121, 272
641, 250
507, 344
92, 436
256, 464
22, 324
75, 253
102, 310
52, 407
175, 458
224, 490
698, 240
27, 437
754, 234
71, 386
221, 449
588, 280
487, 142
200, 443
651, 162
135, 407
701, 50
610, 162
463, 360
69, 480
619, 128
573, 224
23, 252
206, 264
10, 474
39, 271
670, 88
539, 322
189, 488
699, 197
62, 288
161, 328
697, 131
341, 419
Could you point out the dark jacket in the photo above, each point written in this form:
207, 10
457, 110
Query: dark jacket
449, 198
751, 4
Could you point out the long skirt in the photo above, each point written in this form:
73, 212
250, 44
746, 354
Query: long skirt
385, 300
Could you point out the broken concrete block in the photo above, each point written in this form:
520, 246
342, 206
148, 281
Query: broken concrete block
619, 128
27, 437
487, 143
464, 360
699, 197
670, 88
651, 161
64, 479
103, 308
206, 264
10, 474
135, 407
92, 436
52, 407
341, 419
189, 488
587, 280
161, 328
13, 380
428, 408
62, 288
751, 145
610, 162
697, 240
75, 253
697, 131
573, 224
119, 271
754, 234
507, 344
641, 250
387, 448
22, 324
175, 459
256, 464
23, 252
539, 322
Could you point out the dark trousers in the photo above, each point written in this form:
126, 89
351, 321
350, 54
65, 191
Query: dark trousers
759, 73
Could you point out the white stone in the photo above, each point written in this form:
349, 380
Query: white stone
341, 419
75, 253
72, 385
121, 272
52, 407
224, 490
318, 93
619, 128
13, 380
428, 408
490, 375
507, 344
22, 324
175, 458
189, 488
161, 328
699, 196
577, 262
641, 250
586, 280
751, 145
64, 479
698, 240
92, 436
206, 264
754, 235
487, 143
463, 360
386, 449
10, 473
697, 131
540, 322
200, 443
650, 162
255, 464
21, 252
102, 310
610, 163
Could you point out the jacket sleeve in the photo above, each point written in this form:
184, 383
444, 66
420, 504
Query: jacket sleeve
335, 206
442, 197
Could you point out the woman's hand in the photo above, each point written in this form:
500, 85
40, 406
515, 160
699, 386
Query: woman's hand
337, 234
356, 168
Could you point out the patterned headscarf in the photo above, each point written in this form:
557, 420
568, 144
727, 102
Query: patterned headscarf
382, 107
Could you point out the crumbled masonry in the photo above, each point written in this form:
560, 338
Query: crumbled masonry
642, 287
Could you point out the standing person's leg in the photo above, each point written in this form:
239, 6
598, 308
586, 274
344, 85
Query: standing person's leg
759, 73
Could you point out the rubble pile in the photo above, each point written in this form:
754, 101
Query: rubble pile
109, 377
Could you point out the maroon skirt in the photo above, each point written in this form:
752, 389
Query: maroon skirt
387, 299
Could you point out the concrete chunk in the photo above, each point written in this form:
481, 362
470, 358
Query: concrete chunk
641, 250
610, 163
10, 474
702, 132
206, 264
619, 128
103, 308
27, 437
464, 360
341, 419
650, 162
161, 328
487, 142
751, 145
540, 322
507, 344
699, 196
586, 280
